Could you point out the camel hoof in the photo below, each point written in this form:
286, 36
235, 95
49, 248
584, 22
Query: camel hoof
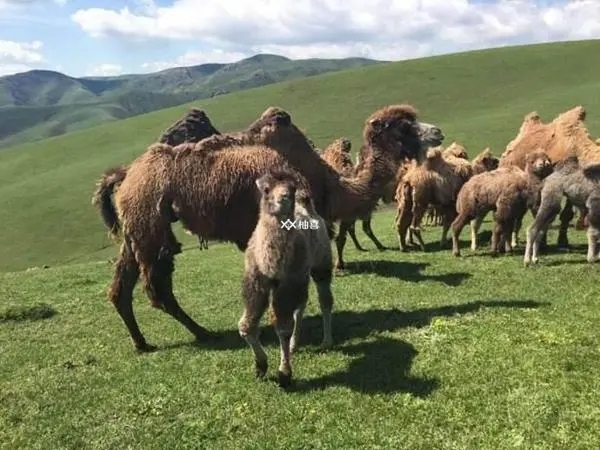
146, 348
327, 344
260, 369
284, 379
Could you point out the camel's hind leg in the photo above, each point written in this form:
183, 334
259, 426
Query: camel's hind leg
340, 243
366, 226
538, 229
158, 278
352, 233
475, 226
592, 235
415, 226
322, 277
565, 217
449, 214
403, 218
121, 294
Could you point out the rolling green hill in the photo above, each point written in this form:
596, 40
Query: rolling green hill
478, 98
41, 103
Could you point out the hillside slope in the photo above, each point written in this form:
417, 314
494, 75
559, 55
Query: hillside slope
478, 98
42, 103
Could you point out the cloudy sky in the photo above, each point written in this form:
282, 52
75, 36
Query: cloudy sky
108, 37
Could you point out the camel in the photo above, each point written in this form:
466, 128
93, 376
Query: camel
337, 155
279, 261
565, 136
213, 194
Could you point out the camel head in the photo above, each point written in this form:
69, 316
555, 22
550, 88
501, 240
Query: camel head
192, 127
277, 194
487, 160
397, 129
457, 150
275, 129
539, 163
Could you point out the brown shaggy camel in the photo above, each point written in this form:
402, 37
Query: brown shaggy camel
565, 136
483, 162
337, 155
434, 182
509, 192
213, 194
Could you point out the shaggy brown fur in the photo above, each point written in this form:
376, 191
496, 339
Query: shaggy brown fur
509, 191
565, 136
436, 182
277, 261
337, 155
192, 127
483, 162
213, 194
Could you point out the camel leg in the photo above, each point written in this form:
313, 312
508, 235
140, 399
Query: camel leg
125, 278
544, 217
288, 297
322, 278
158, 280
415, 227
518, 223
449, 216
592, 236
366, 226
352, 233
340, 243
565, 217
457, 225
403, 218
581, 220
496, 237
255, 293
475, 226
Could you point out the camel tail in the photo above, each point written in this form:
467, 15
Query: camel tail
102, 198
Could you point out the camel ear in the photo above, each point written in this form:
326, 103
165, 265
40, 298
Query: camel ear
262, 183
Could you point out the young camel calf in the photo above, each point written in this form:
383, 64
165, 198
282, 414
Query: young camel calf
279, 260
580, 186
509, 191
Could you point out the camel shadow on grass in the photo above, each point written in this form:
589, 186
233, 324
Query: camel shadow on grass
27, 314
349, 325
407, 271
382, 367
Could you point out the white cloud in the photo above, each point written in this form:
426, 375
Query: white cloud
19, 56
192, 58
380, 29
5, 4
105, 70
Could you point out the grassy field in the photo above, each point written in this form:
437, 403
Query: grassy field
432, 351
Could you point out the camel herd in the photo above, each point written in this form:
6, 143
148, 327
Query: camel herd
239, 187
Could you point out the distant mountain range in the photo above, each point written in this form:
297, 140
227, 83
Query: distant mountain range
41, 103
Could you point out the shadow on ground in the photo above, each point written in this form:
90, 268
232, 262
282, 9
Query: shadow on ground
349, 325
403, 270
24, 314
382, 367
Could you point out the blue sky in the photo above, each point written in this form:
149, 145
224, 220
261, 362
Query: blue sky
106, 37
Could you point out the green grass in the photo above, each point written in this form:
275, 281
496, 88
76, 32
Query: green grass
40, 104
432, 352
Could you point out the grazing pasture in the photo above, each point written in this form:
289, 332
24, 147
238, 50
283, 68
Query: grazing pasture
430, 350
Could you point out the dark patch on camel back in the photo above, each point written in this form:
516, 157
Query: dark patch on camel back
192, 127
